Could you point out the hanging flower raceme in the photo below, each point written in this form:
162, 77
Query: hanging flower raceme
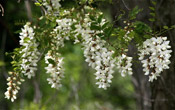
63, 29
124, 65
155, 55
52, 6
96, 54
30, 53
14, 81
100, 59
128, 30
54, 69
60, 33
126, 37
52, 58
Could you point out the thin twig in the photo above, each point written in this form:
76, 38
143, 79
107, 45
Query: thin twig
28, 9
126, 5
2, 9
3, 44
43, 10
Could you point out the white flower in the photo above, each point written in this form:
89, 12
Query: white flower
124, 65
96, 54
154, 56
52, 58
14, 81
54, 69
61, 32
52, 6
126, 37
30, 53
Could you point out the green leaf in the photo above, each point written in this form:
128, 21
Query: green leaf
15, 69
100, 18
92, 18
13, 62
120, 15
105, 25
153, 2
141, 28
38, 4
173, 26
26, 39
73, 27
51, 61
147, 36
153, 14
17, 32
108, 31
7, 53
52, 24
165, 27
2, 63
152, 19
134, 12
94, 26
113, 35
152, 8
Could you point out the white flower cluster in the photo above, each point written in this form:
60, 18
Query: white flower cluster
155, 55
53, 59
128, 30
55, 69
124, 65
52, 6
14, 81
30, 53
63, 29
126, 37
98, 57
78, 31
79, 28
60, 33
